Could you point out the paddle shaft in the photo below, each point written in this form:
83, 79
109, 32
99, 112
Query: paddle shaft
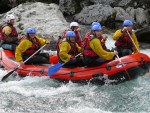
8, 74
55, 68
123, 66
132, 41
75, 57
34, 53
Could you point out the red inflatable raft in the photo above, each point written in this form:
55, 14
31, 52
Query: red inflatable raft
132, 66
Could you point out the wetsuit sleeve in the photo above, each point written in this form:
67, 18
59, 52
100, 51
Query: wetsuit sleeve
21, 48
64, 50
117, 35
41, 40
97, 48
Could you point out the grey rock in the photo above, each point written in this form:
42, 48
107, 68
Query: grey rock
122, 14
105, 2
46, 18
143, 34
124, 2
92, 13
142, 17
67, 6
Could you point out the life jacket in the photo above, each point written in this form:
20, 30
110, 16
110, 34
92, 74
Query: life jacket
87, 35
35, 46
124, 42
61, 39
13, 33
87, 51
78, 35
73, 51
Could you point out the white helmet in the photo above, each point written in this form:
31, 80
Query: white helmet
74, 24
9, 17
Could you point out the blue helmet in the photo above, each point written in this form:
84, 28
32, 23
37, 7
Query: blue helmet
127, 23
95, 23
31, 30
96, 27
70, 34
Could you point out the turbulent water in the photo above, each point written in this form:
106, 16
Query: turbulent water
43, 95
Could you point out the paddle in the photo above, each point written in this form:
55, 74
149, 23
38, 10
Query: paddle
55, 68
132, 40
121, 62
123, 66
16, 68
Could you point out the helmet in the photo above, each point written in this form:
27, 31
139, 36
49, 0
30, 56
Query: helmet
31, 30
96, 27
9, 17
95, 23
74, 24
70, 34
127, 23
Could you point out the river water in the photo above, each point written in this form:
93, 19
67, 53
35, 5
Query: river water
43, 95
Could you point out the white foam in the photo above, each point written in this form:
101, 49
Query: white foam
83, 109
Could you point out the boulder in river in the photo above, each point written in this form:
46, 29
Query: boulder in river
143, 35
46, 18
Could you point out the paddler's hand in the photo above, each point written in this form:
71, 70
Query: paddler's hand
21, 63
81, 56
47, 42
124, 29
20, 37
115, 53
79, 29
73, 57
105, 37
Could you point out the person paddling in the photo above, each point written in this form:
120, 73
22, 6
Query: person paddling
68, 49
124, 44
8, 34
29, 45
94, 51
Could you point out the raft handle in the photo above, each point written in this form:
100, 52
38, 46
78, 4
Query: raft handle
108, 67
71, 74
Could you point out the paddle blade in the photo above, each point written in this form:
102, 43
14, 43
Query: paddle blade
8, 74
55, 68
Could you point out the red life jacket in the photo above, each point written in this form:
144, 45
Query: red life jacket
74, 50
87, 35
35, 46
124, 42
87, 49
13, 33
78, 35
